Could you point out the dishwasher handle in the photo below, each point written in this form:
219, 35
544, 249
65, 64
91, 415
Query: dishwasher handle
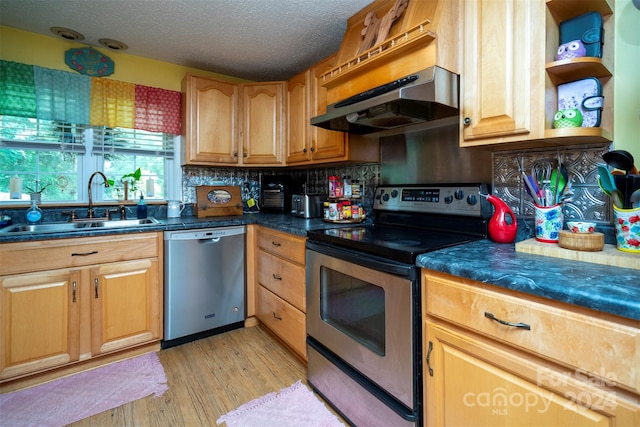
209, 240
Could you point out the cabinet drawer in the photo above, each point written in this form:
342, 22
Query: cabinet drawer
282, 244
285, 279
283, 319
606, 349
42, 255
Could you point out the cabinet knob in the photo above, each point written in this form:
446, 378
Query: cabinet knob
466, 121
235, 154
244, 154
304, 150
313, 149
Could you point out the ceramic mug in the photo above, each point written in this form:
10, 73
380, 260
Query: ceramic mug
627, 223
174, 208
549, 221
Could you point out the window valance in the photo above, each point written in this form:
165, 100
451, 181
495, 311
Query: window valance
43, 93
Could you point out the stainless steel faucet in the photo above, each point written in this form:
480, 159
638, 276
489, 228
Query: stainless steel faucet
106, 185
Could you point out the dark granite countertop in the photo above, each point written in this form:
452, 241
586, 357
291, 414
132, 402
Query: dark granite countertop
599, 287
282, 222
612, 290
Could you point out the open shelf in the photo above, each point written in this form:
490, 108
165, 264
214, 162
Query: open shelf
561, 10
568, 70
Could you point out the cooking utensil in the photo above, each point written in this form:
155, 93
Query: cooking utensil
620, 159
607, 185
557, 185
529, 184
635, 199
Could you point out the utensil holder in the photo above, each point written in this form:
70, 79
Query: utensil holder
627, 224
549, 220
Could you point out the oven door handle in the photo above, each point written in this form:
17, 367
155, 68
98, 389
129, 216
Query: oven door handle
365, 260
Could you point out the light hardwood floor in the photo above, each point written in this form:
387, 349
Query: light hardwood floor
208, 378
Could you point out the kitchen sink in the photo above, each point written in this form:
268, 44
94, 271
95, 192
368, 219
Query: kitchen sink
122, 223
61, 227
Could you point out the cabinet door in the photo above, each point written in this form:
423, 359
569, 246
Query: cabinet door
126, 305
262, 120
502, 84
471, 382
326, 144
211, 114
40, 321
298, 149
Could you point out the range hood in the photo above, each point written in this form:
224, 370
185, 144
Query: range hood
426, 96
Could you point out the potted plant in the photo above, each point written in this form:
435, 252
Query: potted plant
35, 192
130, 181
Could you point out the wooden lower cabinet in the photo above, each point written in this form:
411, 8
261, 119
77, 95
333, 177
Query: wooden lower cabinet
283, 319
537, 371
124, 305
280, 286
40, 321
476, 383
105, 297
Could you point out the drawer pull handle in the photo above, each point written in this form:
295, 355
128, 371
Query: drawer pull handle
504, 322
275, 276
84, 253
73, 291
429, 358
275, 316
276, 244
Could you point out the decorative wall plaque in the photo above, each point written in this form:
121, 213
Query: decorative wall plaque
88, 61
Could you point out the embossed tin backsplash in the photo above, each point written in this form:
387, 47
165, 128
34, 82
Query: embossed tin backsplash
588, 201
316, 179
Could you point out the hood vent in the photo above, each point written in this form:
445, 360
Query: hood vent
426, 96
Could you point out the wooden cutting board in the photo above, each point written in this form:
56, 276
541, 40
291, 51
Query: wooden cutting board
609, 255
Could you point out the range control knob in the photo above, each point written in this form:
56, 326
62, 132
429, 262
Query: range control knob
472, 199
385, 197
448, 199
458, 194
394, 193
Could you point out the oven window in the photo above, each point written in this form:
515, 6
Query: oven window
354, 307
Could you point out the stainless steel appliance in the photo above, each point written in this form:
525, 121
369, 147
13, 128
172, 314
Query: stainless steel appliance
308, 205
275, 193
364, 343
204, 290
426, 96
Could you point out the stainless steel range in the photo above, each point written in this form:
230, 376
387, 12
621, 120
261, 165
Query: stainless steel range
364, 341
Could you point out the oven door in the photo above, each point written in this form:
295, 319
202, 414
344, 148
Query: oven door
364, 315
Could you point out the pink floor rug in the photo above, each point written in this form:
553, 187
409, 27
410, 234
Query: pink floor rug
81, 395
294, 406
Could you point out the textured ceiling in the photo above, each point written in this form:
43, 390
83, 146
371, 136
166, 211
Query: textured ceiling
258, 40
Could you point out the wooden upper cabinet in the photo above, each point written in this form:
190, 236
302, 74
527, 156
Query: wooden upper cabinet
232, 124
298, 114
503, 76
325, 144
210, 117
262, 129
306, 98
510, 77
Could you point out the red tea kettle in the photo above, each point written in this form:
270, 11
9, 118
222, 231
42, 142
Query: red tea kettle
502, 225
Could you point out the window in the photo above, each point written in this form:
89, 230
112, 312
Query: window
62, 156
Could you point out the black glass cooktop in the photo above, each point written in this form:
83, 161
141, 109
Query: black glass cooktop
390, 242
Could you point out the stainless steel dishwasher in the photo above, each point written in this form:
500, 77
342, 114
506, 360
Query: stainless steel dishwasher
204, 292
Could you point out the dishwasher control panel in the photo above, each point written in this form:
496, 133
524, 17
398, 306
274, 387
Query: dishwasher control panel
204, 233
